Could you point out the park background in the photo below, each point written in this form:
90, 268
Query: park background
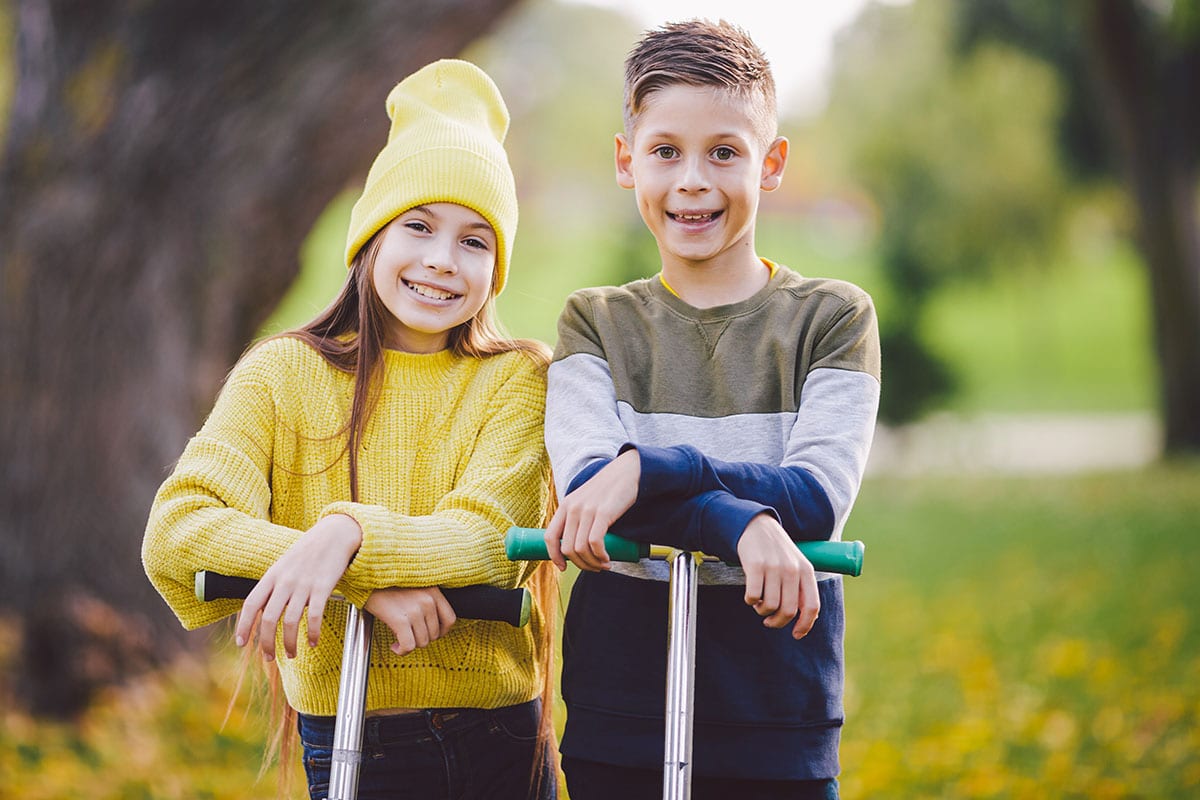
1026, 624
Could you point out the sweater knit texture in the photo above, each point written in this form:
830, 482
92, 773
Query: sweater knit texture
452, 456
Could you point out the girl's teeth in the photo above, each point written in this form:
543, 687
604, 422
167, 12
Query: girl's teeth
694, 217
430, 292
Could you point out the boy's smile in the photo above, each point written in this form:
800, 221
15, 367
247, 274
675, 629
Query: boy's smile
433, 272
697, 164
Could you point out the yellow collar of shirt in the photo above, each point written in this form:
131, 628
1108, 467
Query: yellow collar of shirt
770, 265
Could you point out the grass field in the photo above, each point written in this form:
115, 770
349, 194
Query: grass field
1010, 638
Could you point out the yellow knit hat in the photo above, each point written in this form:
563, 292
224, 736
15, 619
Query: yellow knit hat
445, 146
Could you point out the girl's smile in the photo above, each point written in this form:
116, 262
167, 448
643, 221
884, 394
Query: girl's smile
433, 272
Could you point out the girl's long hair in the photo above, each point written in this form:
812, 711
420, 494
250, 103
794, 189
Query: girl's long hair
349, 335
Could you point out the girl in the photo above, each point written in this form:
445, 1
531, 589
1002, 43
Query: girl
390, 443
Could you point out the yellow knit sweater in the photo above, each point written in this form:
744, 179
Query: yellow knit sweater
451, 457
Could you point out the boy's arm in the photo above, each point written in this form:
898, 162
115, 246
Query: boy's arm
826, 452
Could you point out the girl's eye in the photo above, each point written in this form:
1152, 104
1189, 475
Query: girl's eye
723, 153
475, 242
665, 151
417, 225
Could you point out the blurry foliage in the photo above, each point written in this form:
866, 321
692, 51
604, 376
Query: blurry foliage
959, 154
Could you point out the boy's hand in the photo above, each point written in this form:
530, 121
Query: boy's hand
576, 532
780, 581
303, 577
416, 616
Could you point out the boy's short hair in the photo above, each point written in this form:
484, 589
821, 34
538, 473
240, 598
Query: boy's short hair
701, 53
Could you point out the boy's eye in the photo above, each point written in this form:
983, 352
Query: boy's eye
665, 151
723, 153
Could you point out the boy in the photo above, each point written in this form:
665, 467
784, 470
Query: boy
726, 356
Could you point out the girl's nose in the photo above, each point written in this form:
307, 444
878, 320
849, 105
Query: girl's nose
439, 254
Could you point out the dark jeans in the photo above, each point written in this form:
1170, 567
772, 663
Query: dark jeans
436, 754
590, 780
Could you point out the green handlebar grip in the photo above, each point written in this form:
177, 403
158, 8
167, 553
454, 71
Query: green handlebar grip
529, 544
844, 558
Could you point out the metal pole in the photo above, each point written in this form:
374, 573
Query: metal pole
351, 706
681, 671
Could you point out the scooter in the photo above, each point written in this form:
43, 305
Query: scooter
528, 544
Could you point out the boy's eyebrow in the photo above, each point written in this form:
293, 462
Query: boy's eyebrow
669, 132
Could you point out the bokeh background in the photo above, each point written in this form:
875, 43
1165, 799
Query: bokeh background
1015, 183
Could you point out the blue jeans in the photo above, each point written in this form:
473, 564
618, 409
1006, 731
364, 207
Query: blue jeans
438, 753
591, 780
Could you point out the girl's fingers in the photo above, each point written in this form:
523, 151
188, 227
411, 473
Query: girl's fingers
405, 642
292, 614
251, 606
446, 615
271, 614
316, 612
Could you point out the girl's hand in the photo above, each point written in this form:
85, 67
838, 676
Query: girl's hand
303, 577
416, 616
780, 581
576, 531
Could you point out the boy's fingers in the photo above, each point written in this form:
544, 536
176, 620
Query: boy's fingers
553, 537
596, 542
789, 604
754, 585
810, 605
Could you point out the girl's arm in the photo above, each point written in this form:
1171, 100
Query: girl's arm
505, 482
213, 511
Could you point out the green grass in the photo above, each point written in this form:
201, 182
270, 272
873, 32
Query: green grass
1009, 638
1026, 638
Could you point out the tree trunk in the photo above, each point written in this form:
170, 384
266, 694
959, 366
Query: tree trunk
162, 164
1146, 82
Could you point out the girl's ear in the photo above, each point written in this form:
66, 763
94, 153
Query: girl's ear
773, 165
624, 160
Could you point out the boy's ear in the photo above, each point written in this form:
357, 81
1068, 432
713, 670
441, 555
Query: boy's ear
624, 160
773, 164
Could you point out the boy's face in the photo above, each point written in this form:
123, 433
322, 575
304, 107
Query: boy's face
697, 164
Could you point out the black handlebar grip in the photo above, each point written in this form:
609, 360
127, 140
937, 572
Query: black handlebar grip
513, 606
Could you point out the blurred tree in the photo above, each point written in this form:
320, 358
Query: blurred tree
162, 163
1131, 69
961, 160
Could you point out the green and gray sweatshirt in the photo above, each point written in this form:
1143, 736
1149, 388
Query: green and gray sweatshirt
763, 406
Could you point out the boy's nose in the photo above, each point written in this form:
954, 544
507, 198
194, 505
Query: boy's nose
694, 177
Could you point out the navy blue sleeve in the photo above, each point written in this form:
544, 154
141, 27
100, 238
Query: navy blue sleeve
710, 522
800, 503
